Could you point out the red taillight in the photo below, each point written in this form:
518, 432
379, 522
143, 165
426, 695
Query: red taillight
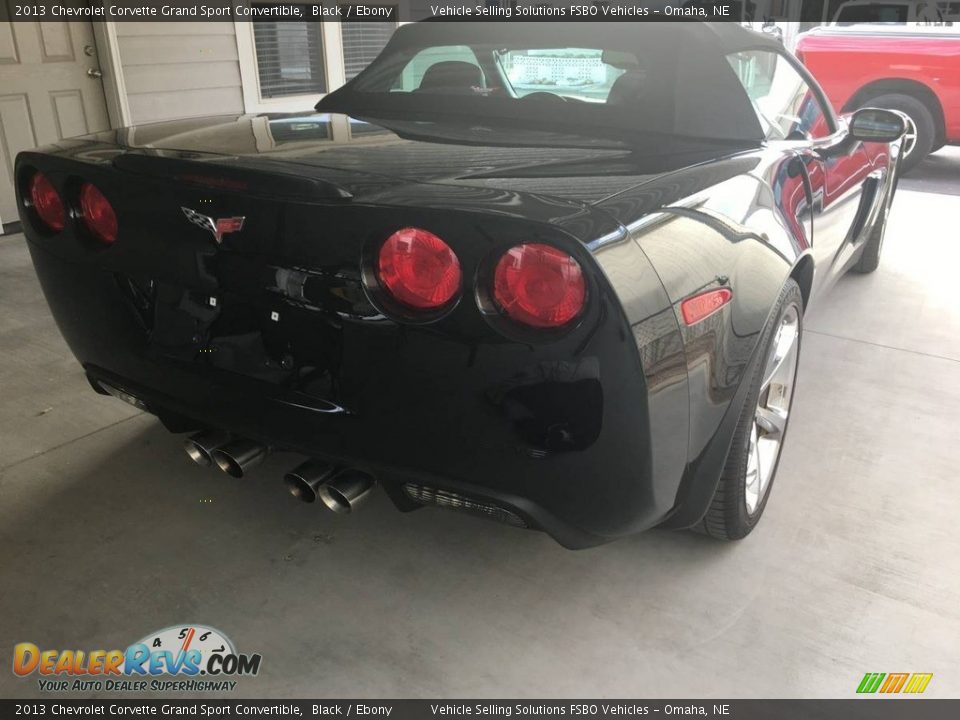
97, 213
418, 269
47, 203
539, 285
700, 306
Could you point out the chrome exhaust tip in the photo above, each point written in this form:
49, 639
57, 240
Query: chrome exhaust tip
305, 480
237, 457
201, 446
346, 491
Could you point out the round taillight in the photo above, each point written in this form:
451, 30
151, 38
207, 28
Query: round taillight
98, 214
539, 285
47, 203
418, 269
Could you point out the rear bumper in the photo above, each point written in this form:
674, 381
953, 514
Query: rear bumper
558, 437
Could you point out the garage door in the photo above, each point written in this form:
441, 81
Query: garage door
49, 89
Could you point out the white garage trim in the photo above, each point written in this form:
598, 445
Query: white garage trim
114, 85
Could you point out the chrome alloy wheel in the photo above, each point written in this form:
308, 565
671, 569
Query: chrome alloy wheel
909, 137
773, 409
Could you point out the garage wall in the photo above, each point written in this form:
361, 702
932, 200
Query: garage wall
176, 70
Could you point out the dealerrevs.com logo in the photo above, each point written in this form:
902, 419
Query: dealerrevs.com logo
188, 658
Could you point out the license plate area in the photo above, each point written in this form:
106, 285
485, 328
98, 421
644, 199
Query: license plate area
262, 338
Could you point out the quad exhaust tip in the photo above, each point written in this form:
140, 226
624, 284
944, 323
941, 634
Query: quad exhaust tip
305, 480
201, 446
238, 456
340, 490
346, 491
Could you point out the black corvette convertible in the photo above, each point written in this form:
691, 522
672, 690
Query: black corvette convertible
553, 275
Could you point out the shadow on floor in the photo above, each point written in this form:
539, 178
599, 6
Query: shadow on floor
939, 173
138, 538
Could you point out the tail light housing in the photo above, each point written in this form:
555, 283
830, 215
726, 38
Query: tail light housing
98, 214
418, 269
47, 203
539, 285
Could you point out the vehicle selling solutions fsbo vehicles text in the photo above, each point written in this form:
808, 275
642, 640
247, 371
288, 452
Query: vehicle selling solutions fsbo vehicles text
576, 11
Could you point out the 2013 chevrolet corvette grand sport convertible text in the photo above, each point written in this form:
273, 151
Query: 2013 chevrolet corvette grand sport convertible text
554, 275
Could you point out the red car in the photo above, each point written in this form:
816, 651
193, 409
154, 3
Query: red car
911, 69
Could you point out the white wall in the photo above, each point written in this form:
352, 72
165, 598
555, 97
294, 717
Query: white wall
175, 70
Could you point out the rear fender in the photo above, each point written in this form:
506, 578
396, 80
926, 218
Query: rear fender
742, 235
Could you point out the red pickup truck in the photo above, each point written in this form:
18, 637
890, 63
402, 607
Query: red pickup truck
913, 69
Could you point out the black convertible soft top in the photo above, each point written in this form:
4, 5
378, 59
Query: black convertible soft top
694, 91
726, 37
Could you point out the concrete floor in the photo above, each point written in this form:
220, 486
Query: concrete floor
107, 534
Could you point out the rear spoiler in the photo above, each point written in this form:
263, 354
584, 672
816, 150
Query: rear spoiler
231, 174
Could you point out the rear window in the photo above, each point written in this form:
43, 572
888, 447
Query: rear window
579, 73
621, 82
569, 73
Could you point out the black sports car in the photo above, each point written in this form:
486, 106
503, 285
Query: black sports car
550, 274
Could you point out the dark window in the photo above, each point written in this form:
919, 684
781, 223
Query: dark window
362, 42
289, 58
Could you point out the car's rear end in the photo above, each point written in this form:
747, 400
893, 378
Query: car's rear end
453, 353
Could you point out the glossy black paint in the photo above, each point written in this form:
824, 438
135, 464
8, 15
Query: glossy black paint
617, 424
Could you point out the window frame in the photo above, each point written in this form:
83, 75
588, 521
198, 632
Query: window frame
253, 100
833, 121
838, 125
333, 60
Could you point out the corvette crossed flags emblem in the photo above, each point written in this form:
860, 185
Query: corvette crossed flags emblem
217, 227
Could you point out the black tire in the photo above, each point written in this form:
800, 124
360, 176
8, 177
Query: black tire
922, 119
727, 517
870, 257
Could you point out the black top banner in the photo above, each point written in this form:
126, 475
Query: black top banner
374, 10
872, 709
813, 11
